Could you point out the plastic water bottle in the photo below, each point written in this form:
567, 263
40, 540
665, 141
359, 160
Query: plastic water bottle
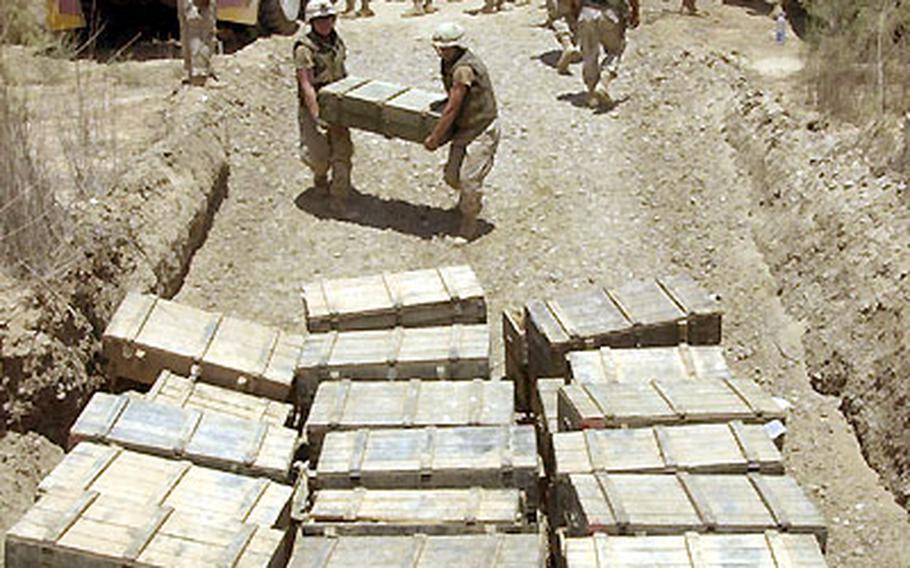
780, 32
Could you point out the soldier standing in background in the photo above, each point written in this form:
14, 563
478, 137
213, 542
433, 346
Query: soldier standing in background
689, 6
319, 56
350, 10
603, 24
468, 121
420, 8
197, 38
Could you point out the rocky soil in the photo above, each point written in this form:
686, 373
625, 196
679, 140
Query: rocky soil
709, 164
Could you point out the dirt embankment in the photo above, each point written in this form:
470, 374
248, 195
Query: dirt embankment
835, 233
140, 234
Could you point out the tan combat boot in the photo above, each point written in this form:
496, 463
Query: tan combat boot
365, 11
414, 11
321, 184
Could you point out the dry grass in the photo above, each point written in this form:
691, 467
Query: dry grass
861, 64
32, 223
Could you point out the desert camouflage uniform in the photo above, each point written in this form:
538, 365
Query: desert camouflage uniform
602, 24
350, 9
331, 149
475, 132
197, 38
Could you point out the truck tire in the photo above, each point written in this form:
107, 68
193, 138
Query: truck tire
279, 16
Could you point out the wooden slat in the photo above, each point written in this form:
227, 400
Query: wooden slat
239, 353
417, 298
344, 405
186, 392
610, 405
64, 529
696, 448
668, 504
639, 313
642, 365
141, 478
205, 437
755, 550
420, 551
453, 457
410, 511
453, 352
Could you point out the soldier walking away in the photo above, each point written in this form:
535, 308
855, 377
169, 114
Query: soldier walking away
350, 10
319, 56
689, 7
468, 121
603, 24
197, 38
560, 18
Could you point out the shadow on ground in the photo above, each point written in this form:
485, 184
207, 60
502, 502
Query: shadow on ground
580, 100
423, 221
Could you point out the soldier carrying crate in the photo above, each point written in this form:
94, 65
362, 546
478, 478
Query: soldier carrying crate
319, 57
468, 121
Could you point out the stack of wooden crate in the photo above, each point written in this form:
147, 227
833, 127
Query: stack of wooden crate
186, 474
414, 451
648, 439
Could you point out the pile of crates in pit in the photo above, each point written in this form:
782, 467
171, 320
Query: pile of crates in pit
377, 432
655, 454
197, 471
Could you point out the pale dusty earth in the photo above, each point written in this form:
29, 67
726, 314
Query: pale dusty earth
668, 180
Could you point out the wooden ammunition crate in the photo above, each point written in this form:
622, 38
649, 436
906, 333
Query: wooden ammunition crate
453, 352
516, 357
699, 448
421, 551
331, 95
458, 457
346, 405
770, 549
419, 298
652, 313
675, 504
88, 529
148, 335
680, 363
135, 477
361, 512
613, 405
384, 108
204, 437
189, 392
545, 412
412, 115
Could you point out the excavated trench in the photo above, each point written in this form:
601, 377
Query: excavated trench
142, 235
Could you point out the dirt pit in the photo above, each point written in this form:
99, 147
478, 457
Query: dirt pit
679, 176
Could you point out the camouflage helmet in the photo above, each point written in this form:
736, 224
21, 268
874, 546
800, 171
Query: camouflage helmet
319, 9
448, 34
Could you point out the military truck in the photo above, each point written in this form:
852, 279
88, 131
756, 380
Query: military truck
276, 16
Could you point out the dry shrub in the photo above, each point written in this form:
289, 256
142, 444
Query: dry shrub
32, 223
861, 56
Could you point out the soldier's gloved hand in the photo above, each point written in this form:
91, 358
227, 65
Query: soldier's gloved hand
322, 126
634, 20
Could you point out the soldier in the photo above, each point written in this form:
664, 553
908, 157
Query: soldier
420, 8
560, 18
319, 56
197, 38
603, 23
350, 10
689, 6
468, 121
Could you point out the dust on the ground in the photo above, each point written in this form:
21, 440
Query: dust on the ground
656, 185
